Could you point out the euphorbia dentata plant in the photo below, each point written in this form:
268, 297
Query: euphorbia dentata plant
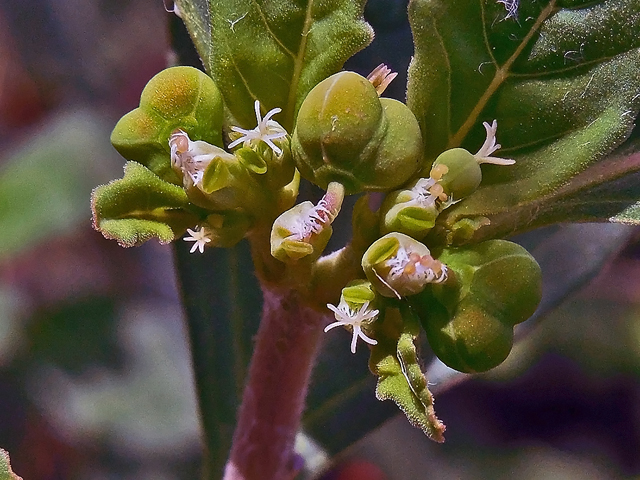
217, 158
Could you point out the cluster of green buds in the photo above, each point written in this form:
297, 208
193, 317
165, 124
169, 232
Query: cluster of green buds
181, 179
188, 174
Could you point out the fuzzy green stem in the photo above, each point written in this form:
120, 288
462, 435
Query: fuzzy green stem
269, 418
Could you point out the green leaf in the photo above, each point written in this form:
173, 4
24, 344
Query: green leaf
273, 51
562, 83
5, 467
139, 207
396, 363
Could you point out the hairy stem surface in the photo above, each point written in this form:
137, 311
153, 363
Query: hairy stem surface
269, 418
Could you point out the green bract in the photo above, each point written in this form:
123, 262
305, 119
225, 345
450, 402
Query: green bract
345, 133
470, 324
139, 207
176, 98
358, 292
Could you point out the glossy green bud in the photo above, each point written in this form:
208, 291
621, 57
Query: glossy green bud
470, 325
177, 98
398, 266
463, 174
345, 133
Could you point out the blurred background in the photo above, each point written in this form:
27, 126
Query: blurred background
95, 375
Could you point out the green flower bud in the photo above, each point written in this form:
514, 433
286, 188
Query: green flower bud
176, 98
398, 266
345, 133
470, 325
462, 175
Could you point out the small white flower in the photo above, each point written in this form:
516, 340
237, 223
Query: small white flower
266, 131
200, 237
422, 194
354, 319
489, 146
192, 158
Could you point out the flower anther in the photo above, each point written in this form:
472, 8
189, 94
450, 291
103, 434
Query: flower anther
200, 236
266, 131
381, 77
348, 317
412, 267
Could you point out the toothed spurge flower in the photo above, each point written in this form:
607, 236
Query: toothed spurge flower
346, 316
191, 158
266, 131
200, 237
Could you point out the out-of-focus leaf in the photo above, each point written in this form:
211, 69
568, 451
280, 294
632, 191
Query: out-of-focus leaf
274, 51
561, 80
75, 336
44, 185
140, 206
223, 304
5, 467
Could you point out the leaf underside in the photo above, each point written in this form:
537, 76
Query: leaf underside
561, 78
273, 51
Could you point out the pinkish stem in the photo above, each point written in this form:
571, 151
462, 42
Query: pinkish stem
273, 400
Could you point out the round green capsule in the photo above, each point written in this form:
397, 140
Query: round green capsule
178, 98
470, 325
345, 133
463, 174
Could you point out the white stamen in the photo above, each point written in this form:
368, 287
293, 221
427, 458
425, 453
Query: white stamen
193, 161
